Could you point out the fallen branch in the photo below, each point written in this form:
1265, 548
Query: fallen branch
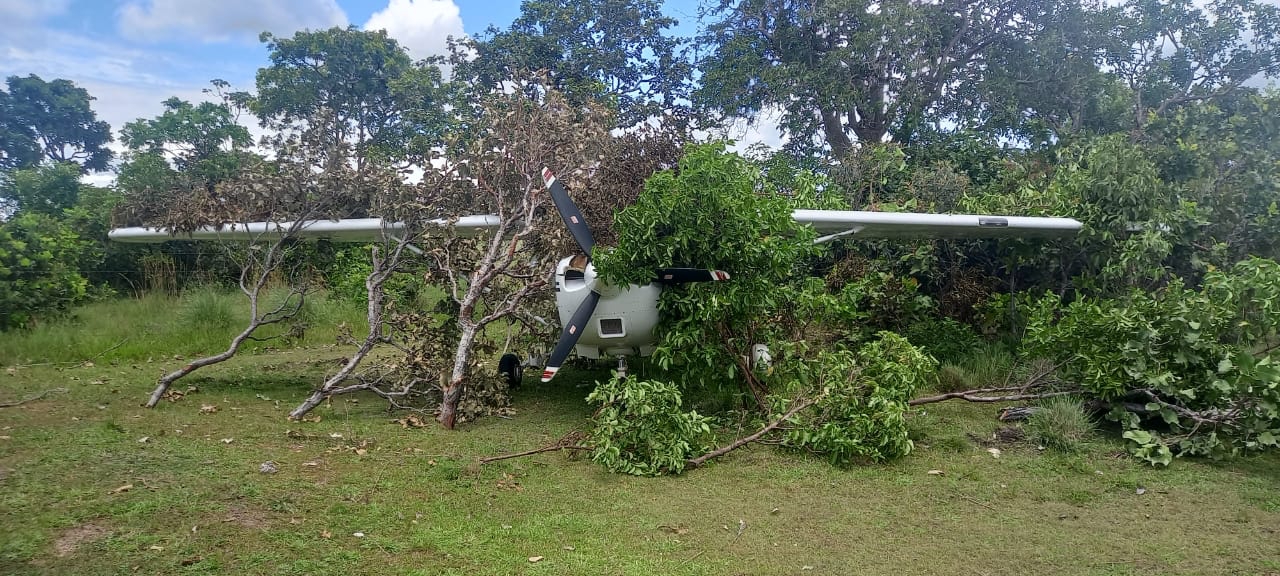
801, 405
569, 441
32, 398
551, 448
975, 396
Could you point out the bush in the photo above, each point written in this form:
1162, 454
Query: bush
945, 339
862, 405
1187, 372
639, 428
39, 270
1060, 424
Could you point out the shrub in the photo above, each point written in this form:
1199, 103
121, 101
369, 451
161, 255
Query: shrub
639, 428
944, 338
1194, 364
862, 405
1060, 424
39, 276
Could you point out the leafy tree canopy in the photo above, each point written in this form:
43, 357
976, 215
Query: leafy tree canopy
611, 50
52, 121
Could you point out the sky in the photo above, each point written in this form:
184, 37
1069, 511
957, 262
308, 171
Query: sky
131, 55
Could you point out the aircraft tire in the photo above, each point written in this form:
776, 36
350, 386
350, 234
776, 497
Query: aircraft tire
509, 367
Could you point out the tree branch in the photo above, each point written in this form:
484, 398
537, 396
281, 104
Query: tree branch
801, 405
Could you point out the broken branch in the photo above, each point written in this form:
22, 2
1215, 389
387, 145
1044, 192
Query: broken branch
801, 405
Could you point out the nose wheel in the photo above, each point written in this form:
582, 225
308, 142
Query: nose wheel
622, 368
511, 370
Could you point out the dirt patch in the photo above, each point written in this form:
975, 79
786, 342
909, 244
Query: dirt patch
71, 540
247, 518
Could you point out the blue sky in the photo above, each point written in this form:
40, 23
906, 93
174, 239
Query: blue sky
133, 54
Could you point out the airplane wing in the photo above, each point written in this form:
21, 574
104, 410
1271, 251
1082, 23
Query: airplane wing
357, 230
833, 224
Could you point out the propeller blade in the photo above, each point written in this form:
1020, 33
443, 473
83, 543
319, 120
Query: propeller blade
683, 275
569, 335
569, 212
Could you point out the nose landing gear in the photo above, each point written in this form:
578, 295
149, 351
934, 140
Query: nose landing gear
511, 370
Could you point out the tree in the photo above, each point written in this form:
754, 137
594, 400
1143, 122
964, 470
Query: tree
202, 141
493, 279
50, 121
712, 213
494, 167
852, 70
611, 51
337, 83
1172, 52
1050, 85
287, 192
47, 189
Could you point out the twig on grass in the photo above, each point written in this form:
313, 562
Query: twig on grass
974, 396
551, 448
32, 398
570, 441
77, 362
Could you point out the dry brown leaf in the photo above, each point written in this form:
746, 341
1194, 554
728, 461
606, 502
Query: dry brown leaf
535, 559
677, 530
125, 488
208, 409
936, 472
326, 534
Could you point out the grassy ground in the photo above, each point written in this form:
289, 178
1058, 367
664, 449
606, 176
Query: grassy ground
196, 501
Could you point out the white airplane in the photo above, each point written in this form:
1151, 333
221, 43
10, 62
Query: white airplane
601, 319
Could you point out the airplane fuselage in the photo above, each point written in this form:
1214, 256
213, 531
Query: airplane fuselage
624, 319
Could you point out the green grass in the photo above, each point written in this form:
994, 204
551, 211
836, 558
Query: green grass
154, 327
1061, 424
199, 505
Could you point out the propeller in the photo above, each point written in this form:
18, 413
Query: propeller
569, 213
577, 225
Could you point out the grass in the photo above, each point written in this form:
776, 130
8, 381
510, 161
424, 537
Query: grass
200, 505
1061, 424
203, 321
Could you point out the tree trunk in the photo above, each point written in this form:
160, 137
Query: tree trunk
833, 129
194, 365
453, 391
373, 287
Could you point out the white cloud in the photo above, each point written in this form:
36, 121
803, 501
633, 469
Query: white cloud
421, 26
225, 19
14, 11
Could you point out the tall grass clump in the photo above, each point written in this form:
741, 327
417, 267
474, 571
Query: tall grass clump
1061, 424
990, 365
211, 308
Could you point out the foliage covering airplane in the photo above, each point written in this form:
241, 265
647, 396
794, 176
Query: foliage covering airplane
602, 319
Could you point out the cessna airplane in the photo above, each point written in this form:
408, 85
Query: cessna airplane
601, 319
